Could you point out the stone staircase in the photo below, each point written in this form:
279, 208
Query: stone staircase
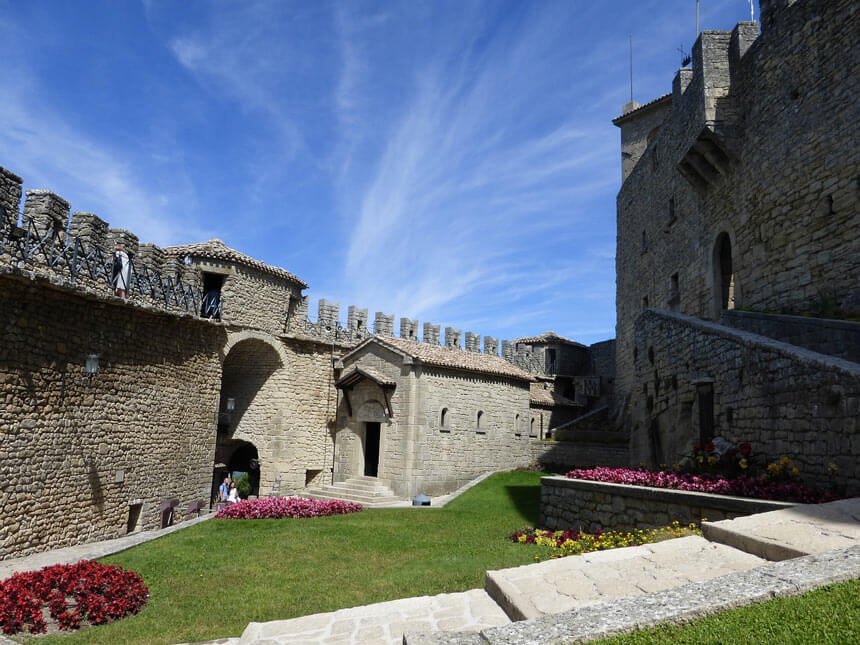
580, 598
368, 491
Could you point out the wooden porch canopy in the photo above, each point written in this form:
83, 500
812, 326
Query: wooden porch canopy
355, 375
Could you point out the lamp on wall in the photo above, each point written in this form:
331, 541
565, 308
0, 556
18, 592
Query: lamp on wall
91, 367
231, 404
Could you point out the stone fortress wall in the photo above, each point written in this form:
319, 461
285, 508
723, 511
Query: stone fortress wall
180, 388
740, 191
86, 457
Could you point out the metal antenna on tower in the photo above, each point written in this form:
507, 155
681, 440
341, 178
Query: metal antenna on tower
697, 18
630, 36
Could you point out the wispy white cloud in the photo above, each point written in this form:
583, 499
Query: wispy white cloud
50, 153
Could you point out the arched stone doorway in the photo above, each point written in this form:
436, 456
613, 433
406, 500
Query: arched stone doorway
724, 277
247, 410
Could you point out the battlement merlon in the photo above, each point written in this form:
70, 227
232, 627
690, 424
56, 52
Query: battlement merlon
409, 329
473, 342
452, 337
383, 325
356, 319
431, 333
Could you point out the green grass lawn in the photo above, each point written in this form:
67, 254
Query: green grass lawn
210, 580
830, 615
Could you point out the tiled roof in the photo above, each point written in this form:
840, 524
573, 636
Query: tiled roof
217, 250
540, 395
456, 358
357, 373
644, 106
548, 337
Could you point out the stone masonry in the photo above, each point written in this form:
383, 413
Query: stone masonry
740, 190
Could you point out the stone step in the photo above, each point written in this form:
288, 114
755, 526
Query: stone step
564, 584
384, 622
792, 532
350, 496
362, 485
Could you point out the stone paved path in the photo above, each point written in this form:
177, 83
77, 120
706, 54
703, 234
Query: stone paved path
792, 532
554, 586
90, 551
383, 623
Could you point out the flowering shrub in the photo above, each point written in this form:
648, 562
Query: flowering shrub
741, 486
72, 594
281, 507
573, 542
719, 457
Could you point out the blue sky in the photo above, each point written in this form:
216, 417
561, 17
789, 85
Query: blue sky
453, 162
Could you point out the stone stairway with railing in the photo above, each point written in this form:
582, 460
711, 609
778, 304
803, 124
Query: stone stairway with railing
368, 491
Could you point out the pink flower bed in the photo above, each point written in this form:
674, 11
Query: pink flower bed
739, 486
69, 595
282, 507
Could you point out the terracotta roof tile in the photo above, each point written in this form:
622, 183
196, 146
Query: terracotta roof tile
455, 358
540, 395
547, 337
653, 103
217, 250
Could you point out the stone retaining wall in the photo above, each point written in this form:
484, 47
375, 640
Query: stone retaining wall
584, 450
587, 505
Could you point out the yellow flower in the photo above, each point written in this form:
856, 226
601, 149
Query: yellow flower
832, 469
700, 459
785, 461
795, 471
743, 463
712, 460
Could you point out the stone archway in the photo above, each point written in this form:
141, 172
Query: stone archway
248, 406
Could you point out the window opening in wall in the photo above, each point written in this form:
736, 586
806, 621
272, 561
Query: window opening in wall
211, 307
672, 210
443, 421
551, 365
644, 241
134, 512
674, 293
479, 423
311, 475
724, 277
533, 428
517, 432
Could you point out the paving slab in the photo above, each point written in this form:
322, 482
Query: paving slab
677, 605
382, 623
793, 532
556, 586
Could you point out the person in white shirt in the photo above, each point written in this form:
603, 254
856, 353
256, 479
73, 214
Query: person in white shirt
234, 493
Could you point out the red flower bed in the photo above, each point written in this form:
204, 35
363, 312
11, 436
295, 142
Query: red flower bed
740, 486
281, 507
70, 594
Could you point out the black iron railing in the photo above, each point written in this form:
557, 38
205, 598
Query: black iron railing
69, 255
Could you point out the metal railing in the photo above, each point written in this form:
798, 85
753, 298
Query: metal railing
69, 255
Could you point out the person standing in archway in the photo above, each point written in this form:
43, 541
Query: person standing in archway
224, 490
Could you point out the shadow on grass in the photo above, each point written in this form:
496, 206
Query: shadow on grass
527, 501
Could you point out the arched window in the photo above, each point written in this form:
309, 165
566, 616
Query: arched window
517, 432
443, 418
532, 432
479, 420
724, 277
